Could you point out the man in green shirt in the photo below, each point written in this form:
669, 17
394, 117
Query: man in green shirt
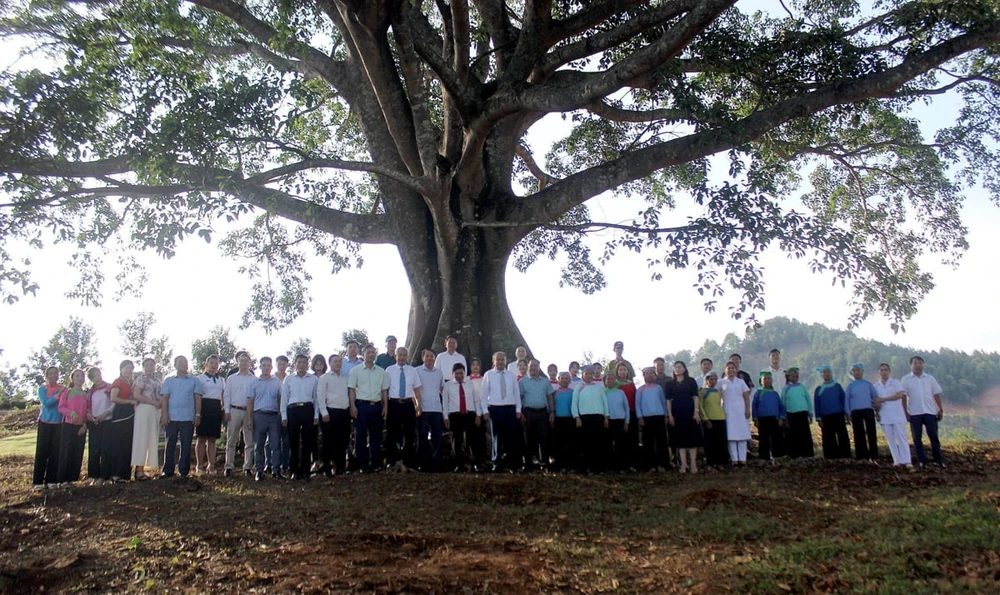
384, 360
613, 365
368, 391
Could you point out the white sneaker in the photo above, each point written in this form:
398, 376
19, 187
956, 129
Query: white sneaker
38, 487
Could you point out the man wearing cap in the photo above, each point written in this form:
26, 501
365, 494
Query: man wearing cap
384, 360
613, 365
446, 360
830, 402
861, 402
923, 409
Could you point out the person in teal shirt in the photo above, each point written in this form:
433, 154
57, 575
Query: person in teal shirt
590, 408
563, 443
799, 414
618, 422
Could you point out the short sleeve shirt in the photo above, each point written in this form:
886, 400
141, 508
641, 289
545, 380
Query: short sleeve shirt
920, 391
124, 390
148, 388
368, 383
212, 387
181, 392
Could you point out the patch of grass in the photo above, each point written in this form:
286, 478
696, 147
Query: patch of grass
21, 444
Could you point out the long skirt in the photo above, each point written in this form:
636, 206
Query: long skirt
120, 441
799, 436
146, 436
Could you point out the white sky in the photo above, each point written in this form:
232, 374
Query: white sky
651, 317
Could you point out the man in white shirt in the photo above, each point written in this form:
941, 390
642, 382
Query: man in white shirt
463, 416
923, 409
236, 418
706, 367
501, 403
891, 415
777, 374
521, 353
335, 411
401, 420
446, 360
300, 415
431, 420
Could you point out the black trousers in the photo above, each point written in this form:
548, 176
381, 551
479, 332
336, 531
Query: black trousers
120, 441
799, 436
336, 438
716, 443
617, 459
836, 442
46, 454
632, 454
401, 432
507, 437
593, 440
767, 436
863, 423
71, 443
654, 441
301, 437
564, 443
536, 436
99, 450
465, 434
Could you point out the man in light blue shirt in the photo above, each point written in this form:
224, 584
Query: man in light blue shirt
539, 410
181, 412
264, 401
352, 360
300, 415
860, 405
431, 412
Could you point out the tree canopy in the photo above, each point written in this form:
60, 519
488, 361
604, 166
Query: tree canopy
322, 125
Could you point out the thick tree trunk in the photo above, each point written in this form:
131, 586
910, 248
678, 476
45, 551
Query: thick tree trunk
469, 301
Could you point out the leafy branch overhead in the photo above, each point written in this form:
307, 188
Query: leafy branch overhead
298, 127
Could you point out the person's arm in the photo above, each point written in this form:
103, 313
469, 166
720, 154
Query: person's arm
517, 401
936, 389
607, 409
226, 407
283, 395
670, 412
249, 417
755, 407
165, 410
351, 395
115, 391
697, 412
575, 405
746, 401
315, 401
781, 410
197, 408
550, 399
485, 397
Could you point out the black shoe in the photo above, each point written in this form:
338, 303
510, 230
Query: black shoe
280, 475
166, 475
258, 477
227, 473
247, 473
328, 473
296, 477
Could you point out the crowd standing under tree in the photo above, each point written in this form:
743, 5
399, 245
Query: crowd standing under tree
507, 418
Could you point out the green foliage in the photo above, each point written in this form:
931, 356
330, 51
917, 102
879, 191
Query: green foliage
138, 343
964, 377
218, 342
72, 346
355, 334
301, 346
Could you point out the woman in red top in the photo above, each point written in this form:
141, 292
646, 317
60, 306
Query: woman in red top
122, 422
631, 446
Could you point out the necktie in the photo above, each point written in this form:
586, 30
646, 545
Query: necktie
503, 388
402, 383
461, 397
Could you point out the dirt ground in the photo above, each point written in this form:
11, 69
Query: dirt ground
499, 533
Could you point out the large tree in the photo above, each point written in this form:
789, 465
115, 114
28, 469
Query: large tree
334, 123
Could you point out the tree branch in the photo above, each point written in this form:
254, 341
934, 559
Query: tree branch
544, 179
270, 175
617, 114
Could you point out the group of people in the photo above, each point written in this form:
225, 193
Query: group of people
300, 417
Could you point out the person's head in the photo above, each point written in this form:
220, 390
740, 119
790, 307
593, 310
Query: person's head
181, 365
660, 366
564, 379
793, 375
857, 371
775, 357
212, 365
458, 372
618, 348
243, 361
711, 379
521, 353
884, 371
301, 364
451, 344
353, 347
369, 354
766, 380
680, 371
475, 366
428, 357
610, 381
336, 363
390, 344
522, 367
318, 364
731, 370
598, 369
534, 368
736, 359
574, 369
917, 365
706, 365
401, 356
588, 374
649, 375
282, 363
148, 366
553, 371
94, 374
266, 366
621, 372
52, 375
77, 378
826, 372
499, 360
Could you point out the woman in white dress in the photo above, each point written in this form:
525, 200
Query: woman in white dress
736, 403
146, 429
